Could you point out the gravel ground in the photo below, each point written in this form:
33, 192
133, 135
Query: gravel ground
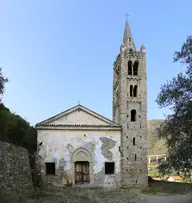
105, 196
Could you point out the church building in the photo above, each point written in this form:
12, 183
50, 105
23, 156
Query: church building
82, 147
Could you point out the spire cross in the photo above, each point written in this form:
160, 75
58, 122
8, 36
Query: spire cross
127, 15
79, 102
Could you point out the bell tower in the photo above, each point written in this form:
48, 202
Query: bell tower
130, 110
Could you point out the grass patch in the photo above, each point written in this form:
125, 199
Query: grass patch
133, 192
154, 173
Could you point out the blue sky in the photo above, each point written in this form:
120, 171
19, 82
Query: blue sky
56, 52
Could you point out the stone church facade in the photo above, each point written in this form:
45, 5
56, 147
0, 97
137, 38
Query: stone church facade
81, 147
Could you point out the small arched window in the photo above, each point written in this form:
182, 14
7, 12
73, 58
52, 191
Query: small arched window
133, 115
130, 68
131, 90
135, 91
135, 67
129, 39
135, 157
134, 141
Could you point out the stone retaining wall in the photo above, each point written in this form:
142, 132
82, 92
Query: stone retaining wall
15, 173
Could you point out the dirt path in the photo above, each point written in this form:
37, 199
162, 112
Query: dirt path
187, 198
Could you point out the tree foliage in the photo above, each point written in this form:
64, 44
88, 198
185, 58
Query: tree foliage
3, 80
177, 129
13, 128
16, 130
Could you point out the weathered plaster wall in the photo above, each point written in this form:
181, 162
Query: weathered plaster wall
79, 117
58, 146
15, 172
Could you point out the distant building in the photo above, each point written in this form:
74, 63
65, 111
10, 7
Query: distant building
156, 178
174, 179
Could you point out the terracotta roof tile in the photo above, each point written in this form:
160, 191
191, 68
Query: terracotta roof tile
156, 178
176, 177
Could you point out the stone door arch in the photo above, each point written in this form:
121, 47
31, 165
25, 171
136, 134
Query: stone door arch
81, 155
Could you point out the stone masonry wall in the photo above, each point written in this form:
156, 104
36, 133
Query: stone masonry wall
15, 173
134, 156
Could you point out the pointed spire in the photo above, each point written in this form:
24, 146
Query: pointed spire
128, 42
126, 32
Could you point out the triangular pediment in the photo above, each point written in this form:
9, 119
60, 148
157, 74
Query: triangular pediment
78, 116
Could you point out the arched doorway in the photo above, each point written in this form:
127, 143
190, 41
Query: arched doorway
81, 164
82, 174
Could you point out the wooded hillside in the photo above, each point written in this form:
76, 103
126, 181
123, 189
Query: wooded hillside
155, 146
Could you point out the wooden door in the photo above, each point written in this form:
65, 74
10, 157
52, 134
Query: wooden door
81, 172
